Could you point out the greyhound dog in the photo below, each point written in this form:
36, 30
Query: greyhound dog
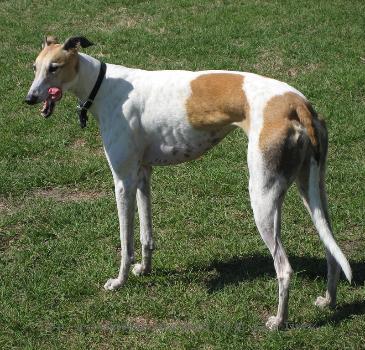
149, 118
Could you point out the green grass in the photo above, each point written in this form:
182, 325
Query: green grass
213, 283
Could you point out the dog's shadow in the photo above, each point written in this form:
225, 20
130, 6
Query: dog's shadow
232, 272
249, 268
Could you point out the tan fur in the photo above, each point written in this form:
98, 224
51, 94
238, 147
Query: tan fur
54, 53
49, 40
279, 113
216, 100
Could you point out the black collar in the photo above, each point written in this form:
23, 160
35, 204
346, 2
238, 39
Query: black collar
82, 108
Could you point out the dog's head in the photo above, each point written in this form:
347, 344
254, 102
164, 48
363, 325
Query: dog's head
55, 70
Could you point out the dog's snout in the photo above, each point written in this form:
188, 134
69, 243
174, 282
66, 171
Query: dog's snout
31, 99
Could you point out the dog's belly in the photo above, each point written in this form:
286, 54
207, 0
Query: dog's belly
176, 147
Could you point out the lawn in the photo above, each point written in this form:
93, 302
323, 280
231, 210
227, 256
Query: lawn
213, 283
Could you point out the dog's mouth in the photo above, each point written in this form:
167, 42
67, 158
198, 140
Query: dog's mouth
54, 95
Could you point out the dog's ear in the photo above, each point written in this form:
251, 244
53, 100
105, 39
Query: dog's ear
49, 40
76, 41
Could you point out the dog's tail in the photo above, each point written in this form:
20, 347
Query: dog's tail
308, 118
316, 194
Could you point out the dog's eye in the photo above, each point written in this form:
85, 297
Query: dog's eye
52, 68
34, 67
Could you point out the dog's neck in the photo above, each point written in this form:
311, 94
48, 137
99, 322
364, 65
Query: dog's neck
88, 73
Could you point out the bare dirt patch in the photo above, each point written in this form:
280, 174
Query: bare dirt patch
78, 143
68, 195
4, 207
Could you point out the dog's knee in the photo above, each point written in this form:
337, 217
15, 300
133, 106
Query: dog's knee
284, 273
147, 245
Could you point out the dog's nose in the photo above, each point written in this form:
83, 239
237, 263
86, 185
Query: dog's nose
31, 99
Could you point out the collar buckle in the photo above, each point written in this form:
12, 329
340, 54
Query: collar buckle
82, 108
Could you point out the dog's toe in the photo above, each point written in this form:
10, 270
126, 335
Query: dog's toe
112, 284
137, 270
273, 323
323, 302
140, 270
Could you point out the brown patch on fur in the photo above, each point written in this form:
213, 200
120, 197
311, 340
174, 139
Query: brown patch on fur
279, 113
68, 60
216, 100
50, 40
290, 124
287, 154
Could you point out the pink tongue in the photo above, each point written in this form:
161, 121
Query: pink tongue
54, 93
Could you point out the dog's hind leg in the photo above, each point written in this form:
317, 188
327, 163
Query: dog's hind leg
145, 221
312, 189
267, 195
125, 193
273, 166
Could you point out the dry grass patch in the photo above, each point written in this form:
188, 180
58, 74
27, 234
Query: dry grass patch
309, 68
106, 20
354, 242
5, 241
80, 144
144, 323
116, 18
269, 62
9, 235
8, 206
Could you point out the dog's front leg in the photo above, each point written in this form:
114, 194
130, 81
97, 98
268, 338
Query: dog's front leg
125, 193
145, 221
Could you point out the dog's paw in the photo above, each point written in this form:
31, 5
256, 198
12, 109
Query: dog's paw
140, 270
274, 323
112, 284
323, 302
